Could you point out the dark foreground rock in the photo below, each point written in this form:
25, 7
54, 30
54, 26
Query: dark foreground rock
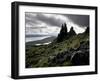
79, 56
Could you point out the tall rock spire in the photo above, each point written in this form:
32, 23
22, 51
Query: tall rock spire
63, 33
72, 32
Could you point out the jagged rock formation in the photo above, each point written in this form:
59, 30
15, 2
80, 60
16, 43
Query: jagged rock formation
64, 34
72, 32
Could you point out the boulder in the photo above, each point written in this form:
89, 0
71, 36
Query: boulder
80, 58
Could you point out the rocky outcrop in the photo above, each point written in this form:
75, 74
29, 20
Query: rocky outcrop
64, 34
72, 32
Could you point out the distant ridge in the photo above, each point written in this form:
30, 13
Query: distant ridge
46, 40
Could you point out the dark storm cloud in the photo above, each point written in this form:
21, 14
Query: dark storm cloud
52, 21
31, 19
81, 20
34, 19
37, 18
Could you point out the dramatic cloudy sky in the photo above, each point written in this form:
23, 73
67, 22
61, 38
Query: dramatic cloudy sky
50, 24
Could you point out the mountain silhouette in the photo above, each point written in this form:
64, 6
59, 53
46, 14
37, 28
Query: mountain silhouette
64, 34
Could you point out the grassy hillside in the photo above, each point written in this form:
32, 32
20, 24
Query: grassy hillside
73, 50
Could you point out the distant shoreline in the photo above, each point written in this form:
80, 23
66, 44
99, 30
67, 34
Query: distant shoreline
44, 41
32, 39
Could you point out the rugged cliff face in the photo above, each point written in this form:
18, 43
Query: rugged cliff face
68, 49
